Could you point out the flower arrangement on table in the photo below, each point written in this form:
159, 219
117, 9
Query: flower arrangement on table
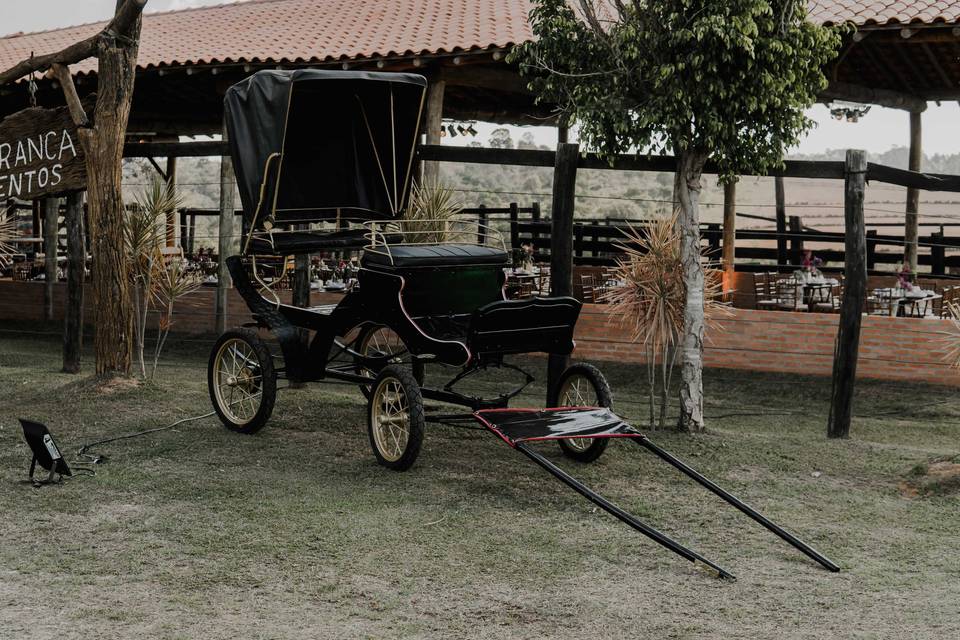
906, 278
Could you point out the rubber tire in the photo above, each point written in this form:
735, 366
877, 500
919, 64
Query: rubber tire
604, 399
418, 368
415, 408
268, 379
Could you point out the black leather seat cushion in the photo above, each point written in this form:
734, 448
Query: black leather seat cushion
429, 255
287, 243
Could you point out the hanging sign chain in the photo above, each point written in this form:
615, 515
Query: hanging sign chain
32, 86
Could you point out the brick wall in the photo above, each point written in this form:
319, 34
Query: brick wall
195, 313
890, 348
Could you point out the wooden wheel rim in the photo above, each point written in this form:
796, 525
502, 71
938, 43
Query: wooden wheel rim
390, 419
578, 391
237, 381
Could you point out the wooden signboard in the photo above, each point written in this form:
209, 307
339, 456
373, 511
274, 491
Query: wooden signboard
40, 154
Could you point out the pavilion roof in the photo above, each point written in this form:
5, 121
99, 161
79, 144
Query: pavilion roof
301, 31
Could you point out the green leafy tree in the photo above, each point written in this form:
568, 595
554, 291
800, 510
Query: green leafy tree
724, 80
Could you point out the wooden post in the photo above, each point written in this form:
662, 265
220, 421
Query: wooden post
796, 237
172, 216
227, 241
855, 272
871, 249
514, 226
481, 223
432, 126
561, 239
728, 258
937, 253
51, 227
563, 134
535, 216
911, 229
76, 266
781, 223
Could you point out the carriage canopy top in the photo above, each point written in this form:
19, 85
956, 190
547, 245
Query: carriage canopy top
311, 145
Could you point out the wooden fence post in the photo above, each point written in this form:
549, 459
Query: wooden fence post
911, 229
796, 237
871, 249
535, 216
855, 272
729, 234
514, 226
937, 253
481, 223
561, 239
226, 236
76, 266
51, 228
781, 222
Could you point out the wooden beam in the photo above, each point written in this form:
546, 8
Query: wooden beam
868, 95
195, 149
855, 278
666, 164
561, 240
77, 113
76, 267
911, 230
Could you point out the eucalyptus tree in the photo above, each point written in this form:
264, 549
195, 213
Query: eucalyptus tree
719, 80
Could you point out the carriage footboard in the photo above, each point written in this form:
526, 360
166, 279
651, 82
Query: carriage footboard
529, 325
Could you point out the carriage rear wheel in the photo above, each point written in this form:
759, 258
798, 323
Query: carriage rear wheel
379, 341
395, 421
242, 381
582, 385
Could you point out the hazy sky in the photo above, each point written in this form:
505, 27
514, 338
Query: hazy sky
880, 130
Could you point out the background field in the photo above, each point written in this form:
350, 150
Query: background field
296, 532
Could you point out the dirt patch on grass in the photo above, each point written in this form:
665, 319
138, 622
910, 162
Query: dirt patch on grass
935, 478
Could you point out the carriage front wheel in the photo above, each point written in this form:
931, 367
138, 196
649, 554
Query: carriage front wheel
582, 385
242, 380
395, 421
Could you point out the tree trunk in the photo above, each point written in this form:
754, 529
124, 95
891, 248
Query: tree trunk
76, 258
113, 320
691, 164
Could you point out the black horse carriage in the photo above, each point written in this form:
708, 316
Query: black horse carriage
324, 162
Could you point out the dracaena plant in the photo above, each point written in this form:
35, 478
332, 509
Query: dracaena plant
156, 283
649, 300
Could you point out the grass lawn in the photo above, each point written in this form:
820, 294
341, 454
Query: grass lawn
197, 532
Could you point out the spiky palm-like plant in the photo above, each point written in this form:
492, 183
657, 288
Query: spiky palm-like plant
143, 236
8, 233
650, 300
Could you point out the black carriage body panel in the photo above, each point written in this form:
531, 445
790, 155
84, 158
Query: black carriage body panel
528, 325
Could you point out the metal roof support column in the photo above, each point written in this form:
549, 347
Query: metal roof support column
227, 236
911, 221
433, 125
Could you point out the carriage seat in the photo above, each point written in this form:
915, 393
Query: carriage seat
434, 255
287, 243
